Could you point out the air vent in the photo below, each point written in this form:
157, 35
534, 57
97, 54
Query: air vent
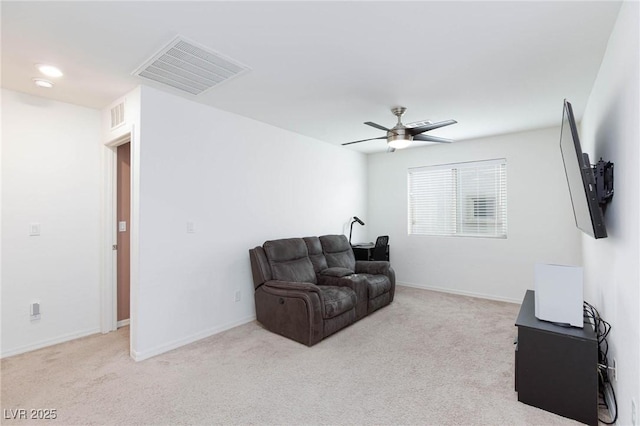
190, 68
117, 115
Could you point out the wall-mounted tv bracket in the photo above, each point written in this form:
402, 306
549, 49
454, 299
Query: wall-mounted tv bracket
603, 173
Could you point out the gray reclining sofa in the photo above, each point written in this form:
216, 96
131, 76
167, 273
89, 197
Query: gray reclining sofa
308, 288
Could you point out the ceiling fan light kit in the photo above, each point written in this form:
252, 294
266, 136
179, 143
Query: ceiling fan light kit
401, 136
399, 141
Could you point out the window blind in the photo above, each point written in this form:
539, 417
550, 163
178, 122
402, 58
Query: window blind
463, 199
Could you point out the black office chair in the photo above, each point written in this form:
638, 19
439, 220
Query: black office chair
380, 249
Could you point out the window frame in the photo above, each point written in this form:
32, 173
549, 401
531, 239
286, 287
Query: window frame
489, 219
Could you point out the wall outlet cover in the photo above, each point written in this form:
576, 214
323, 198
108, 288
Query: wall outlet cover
34, 229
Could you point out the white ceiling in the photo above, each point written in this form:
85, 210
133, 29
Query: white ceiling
323, 68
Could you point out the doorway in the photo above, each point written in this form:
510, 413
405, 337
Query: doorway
123, 218
114, 258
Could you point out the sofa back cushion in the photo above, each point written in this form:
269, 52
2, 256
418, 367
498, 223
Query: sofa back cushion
338, 252
315, 253
289, 260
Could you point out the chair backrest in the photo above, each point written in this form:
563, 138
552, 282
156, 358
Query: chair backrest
382, 241
380, 250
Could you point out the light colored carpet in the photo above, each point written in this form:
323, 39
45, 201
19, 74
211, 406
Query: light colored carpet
428, 358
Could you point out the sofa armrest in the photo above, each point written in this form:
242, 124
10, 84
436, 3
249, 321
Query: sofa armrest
292, 309
296, 289
381, 267
293, 286
374, 267
260, 268
355, 282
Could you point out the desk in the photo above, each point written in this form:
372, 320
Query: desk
365, 251
556, 367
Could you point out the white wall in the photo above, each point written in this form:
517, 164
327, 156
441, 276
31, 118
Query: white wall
541, 227
612, 272
50, 175
240, 182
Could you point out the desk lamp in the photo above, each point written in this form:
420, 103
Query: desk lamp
355, 219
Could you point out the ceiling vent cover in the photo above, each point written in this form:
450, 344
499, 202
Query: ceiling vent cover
188, 67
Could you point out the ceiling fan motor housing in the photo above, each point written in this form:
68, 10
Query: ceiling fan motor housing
398, 137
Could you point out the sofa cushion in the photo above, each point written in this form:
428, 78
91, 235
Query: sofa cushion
337, 300
289, 260
315, 253
377, 284
336, 272
338, 252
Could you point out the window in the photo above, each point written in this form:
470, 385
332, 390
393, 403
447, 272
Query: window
464, 199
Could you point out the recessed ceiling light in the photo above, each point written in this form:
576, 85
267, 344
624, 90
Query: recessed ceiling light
49, 70
41, 82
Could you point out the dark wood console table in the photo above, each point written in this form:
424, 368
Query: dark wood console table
556, 367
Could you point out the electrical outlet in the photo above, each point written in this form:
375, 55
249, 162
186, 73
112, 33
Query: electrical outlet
238, 295
634, 413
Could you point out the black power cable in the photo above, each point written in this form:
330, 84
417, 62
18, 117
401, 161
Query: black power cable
602, 329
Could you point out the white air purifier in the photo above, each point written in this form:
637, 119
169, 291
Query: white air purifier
558, 294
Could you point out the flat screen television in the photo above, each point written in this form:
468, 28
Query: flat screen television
581, 179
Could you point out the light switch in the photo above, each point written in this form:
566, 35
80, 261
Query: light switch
191, 227
34, 310
122, 226
34, 229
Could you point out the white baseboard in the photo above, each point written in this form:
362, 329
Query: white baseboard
49, 342
123, 323
140, 356
460, 292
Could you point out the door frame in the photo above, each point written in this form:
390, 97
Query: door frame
123, 252
109, 315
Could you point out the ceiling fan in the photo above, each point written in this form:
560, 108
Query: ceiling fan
401, 136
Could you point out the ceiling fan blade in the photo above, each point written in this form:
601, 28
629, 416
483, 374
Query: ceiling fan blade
364, 140
426, 138
377, 126
417, 130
